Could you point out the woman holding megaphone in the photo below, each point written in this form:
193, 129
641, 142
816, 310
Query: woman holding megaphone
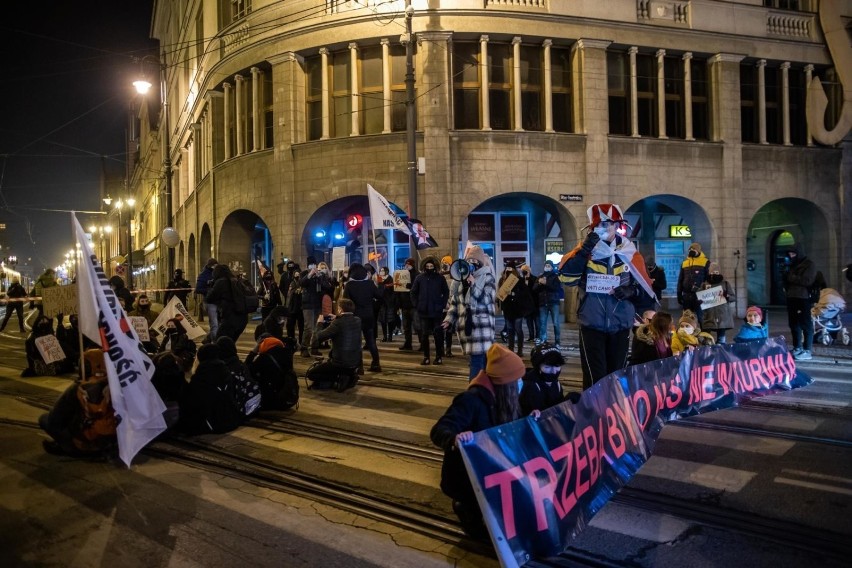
471, 306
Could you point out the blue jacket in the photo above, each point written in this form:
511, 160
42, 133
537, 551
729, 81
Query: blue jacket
750, 332
202, 283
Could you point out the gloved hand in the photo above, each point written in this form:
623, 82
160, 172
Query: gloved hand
590, 242
624, 292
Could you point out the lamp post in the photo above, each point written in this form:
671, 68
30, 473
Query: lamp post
410, 119
120, 204
142, 87
100, 230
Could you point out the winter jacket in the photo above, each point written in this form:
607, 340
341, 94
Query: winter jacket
718, 317
473, 410
519, 303
749, 333
344, 331
548, 293
681, 340
693, 274
230, 303
16, 291
658, 278
539, 393
314, 287
48, 280
179, 344
800, 277
471, 311
387, 313
429, 294
363, 292
645, 348
206, 404
599, 311
204, 280
179, 288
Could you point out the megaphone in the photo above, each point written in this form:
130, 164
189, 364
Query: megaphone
460, 269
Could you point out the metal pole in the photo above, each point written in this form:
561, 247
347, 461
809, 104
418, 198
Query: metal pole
129, 253
410, 119
167, 162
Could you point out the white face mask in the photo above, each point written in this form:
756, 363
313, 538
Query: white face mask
688, 329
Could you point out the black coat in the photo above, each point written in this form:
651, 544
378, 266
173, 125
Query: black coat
474, 410
519, 303
206, 405
363, 293
548, 293
538, 394
429, 294
232, 317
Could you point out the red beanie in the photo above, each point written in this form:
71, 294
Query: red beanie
755, 309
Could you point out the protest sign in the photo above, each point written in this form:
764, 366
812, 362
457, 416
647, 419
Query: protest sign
539, 482
401, 281
49, 349
506, 287
711, 297
175, 309
59, 300
140, 324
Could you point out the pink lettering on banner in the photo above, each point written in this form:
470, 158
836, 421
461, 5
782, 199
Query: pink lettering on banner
580, 486
641, 401
738, 378
542, 492
725, 370
592, 448
624, 414
675, 393
616, 438
566, 452
504, 479
760, 380
708, 382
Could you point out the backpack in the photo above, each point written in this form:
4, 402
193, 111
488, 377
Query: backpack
279, 387
249, 302
98, 423
817, 286
246, 393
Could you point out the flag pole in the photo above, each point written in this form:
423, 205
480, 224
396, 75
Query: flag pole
375, 244
78, 250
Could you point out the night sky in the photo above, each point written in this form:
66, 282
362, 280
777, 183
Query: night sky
65, 90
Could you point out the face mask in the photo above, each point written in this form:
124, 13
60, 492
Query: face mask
430, 270
693, 254
602, 232
525, 273
144, 307
409, 267
688, 329
715, 278
475, 264
548, 268
549, 377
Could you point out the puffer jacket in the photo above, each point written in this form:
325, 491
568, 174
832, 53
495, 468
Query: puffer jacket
602, 312
800, 277
693, 274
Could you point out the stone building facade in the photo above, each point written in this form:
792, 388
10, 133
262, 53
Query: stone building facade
689, 114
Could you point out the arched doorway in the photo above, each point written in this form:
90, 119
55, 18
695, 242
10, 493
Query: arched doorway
663, 226
205, 244
181, 259
775, 229
191, 261
243, 239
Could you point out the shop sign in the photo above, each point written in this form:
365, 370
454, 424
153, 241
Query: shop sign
679, 232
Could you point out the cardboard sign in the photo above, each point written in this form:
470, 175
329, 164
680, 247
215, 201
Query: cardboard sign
140, 324
602, 283
59, 300
338, 258
175, 309
401, 279
49, 349
506, 287
711, 297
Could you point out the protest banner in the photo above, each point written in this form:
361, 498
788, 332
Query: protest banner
59, 300
711, 297
540, 482
176, 309
401, 281
49, 349
507, 286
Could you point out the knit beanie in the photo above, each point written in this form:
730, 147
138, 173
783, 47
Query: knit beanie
756, 310
696, 247
714, 267
502, 365
549, 263
208, 352
226, 345
268, 343
688, 317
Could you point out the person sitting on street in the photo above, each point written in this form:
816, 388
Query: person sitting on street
753, 328
246, 389
206, 405
688, 335
652, 340
142, 308
339, 369
541, 387
36, 365
178, 342
170, 381
491, 399
270, 363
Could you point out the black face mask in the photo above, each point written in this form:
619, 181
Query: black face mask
430, 270
549, 377
693, 254
714, 278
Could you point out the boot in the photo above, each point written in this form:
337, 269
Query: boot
521, 348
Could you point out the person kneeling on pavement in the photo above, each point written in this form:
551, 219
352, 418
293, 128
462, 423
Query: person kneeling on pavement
82, 423
339, 369
491, 399
207, 404
542, 388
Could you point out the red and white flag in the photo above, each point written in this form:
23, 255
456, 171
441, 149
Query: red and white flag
137, 405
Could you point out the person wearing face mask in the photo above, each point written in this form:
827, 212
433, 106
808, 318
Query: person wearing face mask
177, 342
429, 295
611, 277
471, 309
342, 279
718, 319
516, 306
387, 310
142, 308
36, 366
547, 288
542, 388
402, 290
363, 291
688, 335
529, 280
327, 294
693, 275
314, 286
446, 262
797, 281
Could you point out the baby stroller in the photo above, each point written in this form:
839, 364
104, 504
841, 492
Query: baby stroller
828, 327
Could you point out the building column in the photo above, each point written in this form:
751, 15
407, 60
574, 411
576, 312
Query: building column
356, 100
195, 158
257, 111
217, 133
227, 88
326, 104
634, 95
687, 95
516, 80
239, 113
785, 101
548, 87
484, 83
661, 93
761, 100
809, 73
386, 85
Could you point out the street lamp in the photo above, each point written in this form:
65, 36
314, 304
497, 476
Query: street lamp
100, 230
143, 85
130, 203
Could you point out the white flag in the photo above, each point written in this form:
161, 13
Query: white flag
382, 215
176, 309
137, 405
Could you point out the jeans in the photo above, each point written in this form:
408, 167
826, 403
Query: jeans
553, 311
310, 316
213, 318
477, 363
801, 323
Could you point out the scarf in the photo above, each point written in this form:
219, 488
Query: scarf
627, 252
